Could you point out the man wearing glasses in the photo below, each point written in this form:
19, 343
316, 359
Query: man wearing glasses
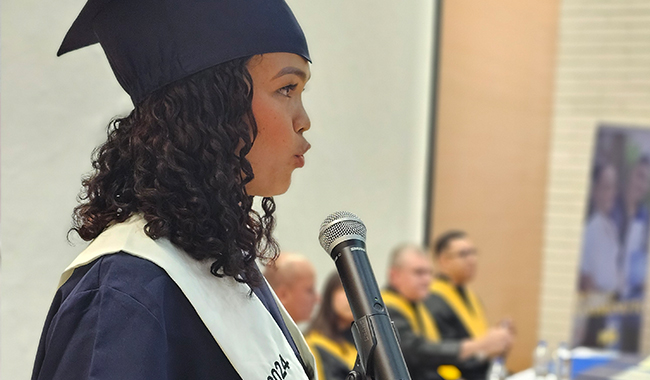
457, 311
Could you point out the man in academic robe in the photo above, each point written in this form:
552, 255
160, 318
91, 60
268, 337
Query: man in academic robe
456, 309
427, 353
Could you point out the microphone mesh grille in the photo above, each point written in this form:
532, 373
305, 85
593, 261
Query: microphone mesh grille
338, 225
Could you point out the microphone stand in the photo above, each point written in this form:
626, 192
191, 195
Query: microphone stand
365, 340
379, 356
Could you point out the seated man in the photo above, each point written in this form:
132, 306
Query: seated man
456, 309
427, 355
293, 279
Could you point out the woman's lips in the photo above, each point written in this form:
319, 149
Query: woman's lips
300, 160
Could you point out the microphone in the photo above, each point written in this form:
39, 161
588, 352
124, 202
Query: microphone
343, 236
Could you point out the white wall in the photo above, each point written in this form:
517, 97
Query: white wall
368, 101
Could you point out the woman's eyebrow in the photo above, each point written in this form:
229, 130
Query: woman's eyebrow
291, 70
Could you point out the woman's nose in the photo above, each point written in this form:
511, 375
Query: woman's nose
302, 122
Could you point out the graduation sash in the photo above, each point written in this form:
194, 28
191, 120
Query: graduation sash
346, 352
241, 325
428, 328
475, 322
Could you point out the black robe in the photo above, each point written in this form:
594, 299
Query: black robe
333, 363
422, 356
451, 328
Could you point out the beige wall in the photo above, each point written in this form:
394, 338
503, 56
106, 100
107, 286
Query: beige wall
493, 130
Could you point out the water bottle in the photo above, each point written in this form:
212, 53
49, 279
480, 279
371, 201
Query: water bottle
541, 360
563, 362
497, 369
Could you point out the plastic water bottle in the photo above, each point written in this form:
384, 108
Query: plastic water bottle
497, 369
541, 360
563, 362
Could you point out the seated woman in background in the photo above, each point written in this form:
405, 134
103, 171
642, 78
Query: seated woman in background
329, 336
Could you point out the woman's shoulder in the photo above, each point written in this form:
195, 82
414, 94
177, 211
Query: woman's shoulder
140, 318
140, 280
120, 271
115, 267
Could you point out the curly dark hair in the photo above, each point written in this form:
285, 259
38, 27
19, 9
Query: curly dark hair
179, 160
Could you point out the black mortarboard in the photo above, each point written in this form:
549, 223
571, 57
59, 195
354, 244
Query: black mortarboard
151, 43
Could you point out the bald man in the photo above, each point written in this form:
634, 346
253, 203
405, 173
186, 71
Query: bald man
293, 279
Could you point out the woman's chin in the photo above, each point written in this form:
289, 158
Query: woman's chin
268, 191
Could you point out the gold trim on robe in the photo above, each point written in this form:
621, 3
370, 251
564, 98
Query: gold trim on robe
394, 300
475, 322
345, 351
407, 309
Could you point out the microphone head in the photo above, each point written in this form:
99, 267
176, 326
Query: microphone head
338, 227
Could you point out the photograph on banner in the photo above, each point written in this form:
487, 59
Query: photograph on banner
614, 257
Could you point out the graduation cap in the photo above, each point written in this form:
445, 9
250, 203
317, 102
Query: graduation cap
151, 43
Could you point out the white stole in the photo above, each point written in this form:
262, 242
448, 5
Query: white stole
241, 325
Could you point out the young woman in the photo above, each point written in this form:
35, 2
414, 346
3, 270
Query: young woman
168, 287
330, 336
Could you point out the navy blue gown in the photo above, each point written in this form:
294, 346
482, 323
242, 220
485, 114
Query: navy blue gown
122, 317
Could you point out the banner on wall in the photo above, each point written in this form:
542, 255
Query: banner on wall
614, 260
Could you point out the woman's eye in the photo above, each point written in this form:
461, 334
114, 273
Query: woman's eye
286, 90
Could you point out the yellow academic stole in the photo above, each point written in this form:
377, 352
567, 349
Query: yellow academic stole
428, 328
475, 323
344, 351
